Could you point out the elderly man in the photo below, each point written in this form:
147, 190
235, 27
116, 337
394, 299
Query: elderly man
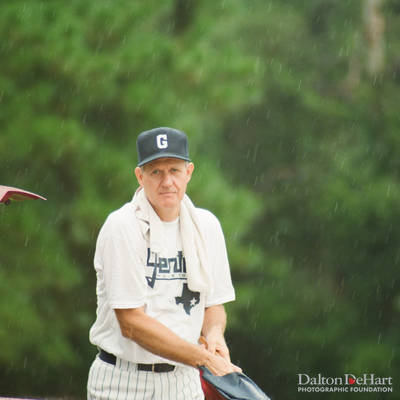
162, 279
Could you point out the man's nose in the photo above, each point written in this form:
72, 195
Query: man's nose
167, 179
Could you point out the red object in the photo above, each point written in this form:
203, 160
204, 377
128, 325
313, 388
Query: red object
210, 393
8, 193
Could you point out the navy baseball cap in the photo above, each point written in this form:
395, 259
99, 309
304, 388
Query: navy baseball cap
161, 142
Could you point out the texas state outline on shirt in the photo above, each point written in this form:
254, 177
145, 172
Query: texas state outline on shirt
172, 268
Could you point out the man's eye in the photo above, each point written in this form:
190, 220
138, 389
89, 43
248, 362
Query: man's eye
155, 172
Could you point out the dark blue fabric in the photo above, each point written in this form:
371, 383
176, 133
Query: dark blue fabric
234, 386
162, 142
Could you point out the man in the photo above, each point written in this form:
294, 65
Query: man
162, 278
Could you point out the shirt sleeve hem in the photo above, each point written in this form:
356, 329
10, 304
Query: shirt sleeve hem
220, 300
127, 305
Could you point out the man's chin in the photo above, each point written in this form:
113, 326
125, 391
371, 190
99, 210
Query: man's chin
170, 204
169, 199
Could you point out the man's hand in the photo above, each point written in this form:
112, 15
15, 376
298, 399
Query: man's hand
212, 339
215, 344
219, 365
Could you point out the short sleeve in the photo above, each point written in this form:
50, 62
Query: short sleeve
222, 290
119, 263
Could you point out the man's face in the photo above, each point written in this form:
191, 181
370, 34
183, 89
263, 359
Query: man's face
164, 182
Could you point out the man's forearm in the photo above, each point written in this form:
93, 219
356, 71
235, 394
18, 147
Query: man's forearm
213, 331
158, 339
214, 320
155, 337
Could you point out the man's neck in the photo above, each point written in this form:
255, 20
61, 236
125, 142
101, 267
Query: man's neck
167, 215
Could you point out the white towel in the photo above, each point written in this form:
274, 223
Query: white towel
194, 250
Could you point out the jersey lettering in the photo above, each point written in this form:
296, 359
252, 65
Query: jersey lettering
173, 268
165, 268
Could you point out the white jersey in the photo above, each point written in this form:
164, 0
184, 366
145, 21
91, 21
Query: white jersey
130, 275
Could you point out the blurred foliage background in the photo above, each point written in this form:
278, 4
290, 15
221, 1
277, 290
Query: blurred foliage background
292, 110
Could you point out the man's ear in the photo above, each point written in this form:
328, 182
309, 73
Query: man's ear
139, 175
189, 171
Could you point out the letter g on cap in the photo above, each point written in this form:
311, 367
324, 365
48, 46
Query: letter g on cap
162, 141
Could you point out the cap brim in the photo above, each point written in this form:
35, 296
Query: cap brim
162, 155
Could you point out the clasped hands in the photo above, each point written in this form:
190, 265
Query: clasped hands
220, 361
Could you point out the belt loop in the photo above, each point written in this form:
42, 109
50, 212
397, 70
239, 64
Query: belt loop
152, 368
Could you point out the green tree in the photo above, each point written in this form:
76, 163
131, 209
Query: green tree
319, 148
78, 82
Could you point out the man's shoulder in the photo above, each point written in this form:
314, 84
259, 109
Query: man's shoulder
120, 213
121, 219
206, 217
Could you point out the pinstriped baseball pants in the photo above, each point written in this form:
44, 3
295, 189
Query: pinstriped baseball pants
124, 382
